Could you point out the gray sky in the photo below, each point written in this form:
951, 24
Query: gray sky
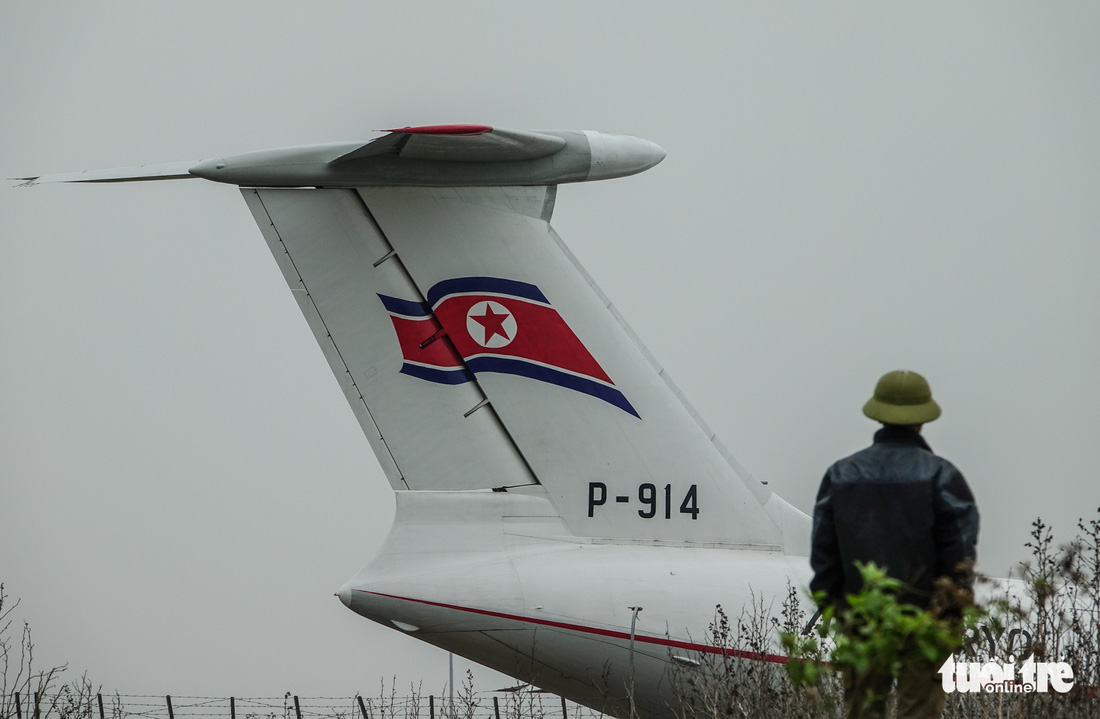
847, 191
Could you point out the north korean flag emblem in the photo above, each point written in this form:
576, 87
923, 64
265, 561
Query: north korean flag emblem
491, 325
472, 325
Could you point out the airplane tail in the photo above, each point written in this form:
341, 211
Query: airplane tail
477, 353
473, 348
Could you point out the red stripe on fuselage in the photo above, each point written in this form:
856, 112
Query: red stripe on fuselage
659, 641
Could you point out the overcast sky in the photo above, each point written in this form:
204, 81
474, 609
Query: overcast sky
847, 191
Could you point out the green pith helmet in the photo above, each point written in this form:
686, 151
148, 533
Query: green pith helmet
902, 397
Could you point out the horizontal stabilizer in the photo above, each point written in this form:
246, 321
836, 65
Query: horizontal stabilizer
167, 171
459, 143
430, 156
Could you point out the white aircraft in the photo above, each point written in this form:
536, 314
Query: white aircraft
551, 480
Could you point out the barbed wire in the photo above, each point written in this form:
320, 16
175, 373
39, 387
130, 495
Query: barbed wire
523, 704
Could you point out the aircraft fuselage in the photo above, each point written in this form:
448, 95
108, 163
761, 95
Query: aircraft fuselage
502, 586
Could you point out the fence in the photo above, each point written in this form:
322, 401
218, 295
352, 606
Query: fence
523, 704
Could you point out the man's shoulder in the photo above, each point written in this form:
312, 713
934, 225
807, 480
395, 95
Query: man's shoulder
852, 458
846, 466
870, 453
869, 461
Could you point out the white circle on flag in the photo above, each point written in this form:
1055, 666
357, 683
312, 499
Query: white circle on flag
490, 324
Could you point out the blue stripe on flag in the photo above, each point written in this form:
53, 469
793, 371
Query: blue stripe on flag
440, 376
507, 365
408, 308
484, 284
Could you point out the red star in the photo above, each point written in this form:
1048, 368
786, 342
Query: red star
493, 324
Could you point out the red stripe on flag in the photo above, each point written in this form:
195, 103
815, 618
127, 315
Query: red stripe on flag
541, 335
411, 333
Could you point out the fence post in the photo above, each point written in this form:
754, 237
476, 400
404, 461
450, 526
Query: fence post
362, 709
297, 709
431, 706
18, 707
37, 713
496, 707
168, 701
563, 713
99, 700
232, 708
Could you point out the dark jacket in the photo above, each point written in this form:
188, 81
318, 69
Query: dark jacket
900, 506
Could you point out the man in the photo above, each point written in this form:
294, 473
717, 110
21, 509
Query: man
910, 512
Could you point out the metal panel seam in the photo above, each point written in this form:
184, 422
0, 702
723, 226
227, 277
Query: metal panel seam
486, 402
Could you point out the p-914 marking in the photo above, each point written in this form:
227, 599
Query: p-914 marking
652, 501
